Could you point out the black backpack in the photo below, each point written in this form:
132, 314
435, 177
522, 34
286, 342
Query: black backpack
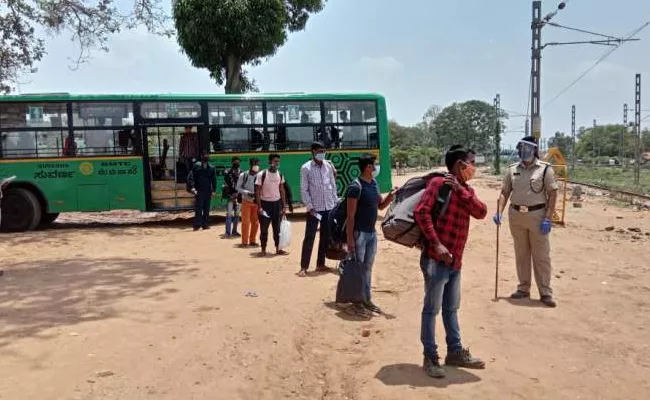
338, 216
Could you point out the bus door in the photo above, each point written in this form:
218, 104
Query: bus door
173, 150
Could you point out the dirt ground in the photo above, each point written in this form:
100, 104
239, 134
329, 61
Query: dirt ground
153, 310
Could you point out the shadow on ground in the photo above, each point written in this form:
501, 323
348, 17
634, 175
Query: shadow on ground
37, 296
413, 375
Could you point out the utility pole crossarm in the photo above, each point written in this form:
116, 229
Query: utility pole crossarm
608, 42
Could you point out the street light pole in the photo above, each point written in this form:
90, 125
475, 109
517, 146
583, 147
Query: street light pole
538, 22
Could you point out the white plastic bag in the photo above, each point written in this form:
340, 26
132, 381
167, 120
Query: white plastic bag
285, 234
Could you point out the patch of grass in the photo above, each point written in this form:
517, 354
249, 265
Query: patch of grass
614, 178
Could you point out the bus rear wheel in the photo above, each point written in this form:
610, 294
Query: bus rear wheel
48, 218
21, 211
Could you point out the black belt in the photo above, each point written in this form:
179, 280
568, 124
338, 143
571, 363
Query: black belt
529, 208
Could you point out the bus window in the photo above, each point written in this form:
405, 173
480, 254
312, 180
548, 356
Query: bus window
33, 144
102, 114
292, 125
36, 115
236, 126
354, 122
107, 129
170, 110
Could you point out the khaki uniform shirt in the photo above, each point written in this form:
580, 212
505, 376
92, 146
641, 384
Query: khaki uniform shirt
529, 186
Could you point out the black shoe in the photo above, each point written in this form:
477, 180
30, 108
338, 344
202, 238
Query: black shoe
432, 367
520, 294
464, 359
253, 244
206, 227
370, 306
548, 301
236, 234
196, 228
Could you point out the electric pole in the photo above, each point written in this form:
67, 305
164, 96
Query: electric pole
621, 151
535, 72
573, 139
538, 22
637, 126
593, 143
497, 135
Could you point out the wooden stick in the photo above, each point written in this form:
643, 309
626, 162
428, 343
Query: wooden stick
496, 279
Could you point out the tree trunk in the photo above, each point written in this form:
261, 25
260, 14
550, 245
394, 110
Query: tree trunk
233, 75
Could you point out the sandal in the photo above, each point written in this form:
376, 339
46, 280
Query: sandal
281, 253
302, 273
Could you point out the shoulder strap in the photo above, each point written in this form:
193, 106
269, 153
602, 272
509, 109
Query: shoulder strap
358, 182
263, 177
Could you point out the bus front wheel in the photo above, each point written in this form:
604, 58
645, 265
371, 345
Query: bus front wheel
48, 218
21, 211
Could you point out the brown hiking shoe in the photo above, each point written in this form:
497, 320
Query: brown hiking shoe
433, 368
464, 359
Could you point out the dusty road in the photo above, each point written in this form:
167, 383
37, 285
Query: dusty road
157, 311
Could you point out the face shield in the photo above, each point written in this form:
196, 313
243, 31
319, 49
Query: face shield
527, 150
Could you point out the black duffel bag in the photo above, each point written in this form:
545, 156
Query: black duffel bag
351, 276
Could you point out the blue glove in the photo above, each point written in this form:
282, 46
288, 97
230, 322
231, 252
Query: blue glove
546, 226
498, 218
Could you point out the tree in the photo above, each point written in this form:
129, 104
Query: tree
471, 123
605, 141
427, 126
225, 35
562, 142
23, 22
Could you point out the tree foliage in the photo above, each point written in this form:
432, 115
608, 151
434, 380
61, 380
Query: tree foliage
608, 140
562, 142
23, 23
471, 123
223, 36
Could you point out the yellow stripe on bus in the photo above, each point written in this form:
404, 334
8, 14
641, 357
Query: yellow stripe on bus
54, 159
68, 159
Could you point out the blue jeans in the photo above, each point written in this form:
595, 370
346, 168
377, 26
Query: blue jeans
441, 290
366, 249
232, 217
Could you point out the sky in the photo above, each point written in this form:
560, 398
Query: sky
416, 53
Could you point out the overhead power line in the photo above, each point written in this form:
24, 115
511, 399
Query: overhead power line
601, 59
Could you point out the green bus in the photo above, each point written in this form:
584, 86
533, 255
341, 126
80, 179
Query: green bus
108, 152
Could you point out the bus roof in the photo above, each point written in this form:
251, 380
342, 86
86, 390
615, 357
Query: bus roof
64, 97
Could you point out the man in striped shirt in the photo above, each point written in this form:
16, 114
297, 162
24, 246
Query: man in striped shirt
318, 191
189, 148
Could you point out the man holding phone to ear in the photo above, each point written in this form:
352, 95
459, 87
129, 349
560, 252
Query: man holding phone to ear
442, 257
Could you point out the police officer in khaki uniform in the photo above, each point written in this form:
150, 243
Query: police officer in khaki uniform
531, 186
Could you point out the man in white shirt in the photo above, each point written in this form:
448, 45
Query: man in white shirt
318, 191
249, 211
271, 202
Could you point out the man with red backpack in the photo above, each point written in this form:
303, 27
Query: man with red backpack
441, 259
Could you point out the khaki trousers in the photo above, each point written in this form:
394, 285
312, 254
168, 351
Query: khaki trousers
530, 244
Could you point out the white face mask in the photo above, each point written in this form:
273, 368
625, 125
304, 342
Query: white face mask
376, 171
255, 168
319, 156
